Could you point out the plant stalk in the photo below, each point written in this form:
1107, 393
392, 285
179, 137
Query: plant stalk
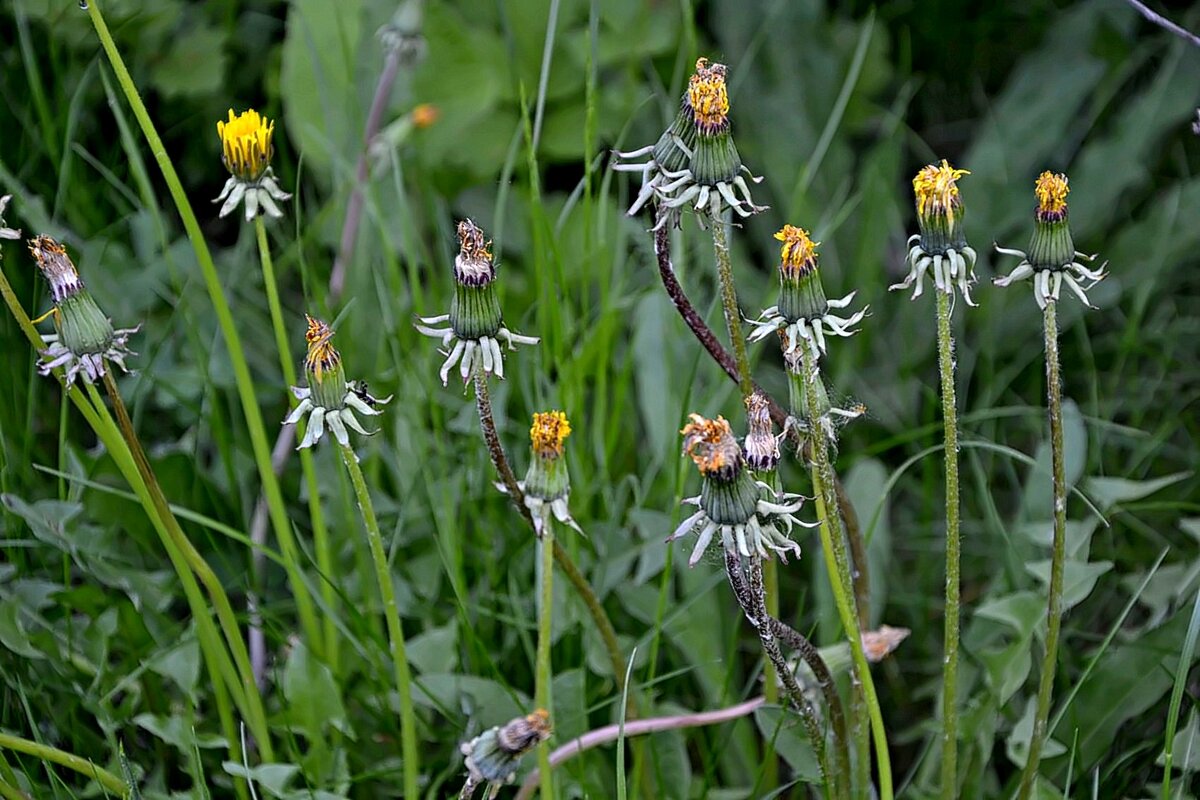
945, 339
64, 759
838, 565
544, 671
241, 371
487, 422
729, 303
316, 513
1058, 556
383, 575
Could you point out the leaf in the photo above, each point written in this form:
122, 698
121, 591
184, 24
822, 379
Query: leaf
865, 483
1079, 578
180, 663
1185, 749
177, 731
1017, 744
195, 63
436, 649
1037, 498
12, 632
271, 778
786, 734
313, 696
1108, 492
1022, 611
1007, 668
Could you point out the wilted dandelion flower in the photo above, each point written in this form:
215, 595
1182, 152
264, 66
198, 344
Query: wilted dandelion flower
762, 446
942, 242
1052, 257
6, 233
329, 397
547, 484
695, 161
491, 757
85, 337
476, 326
246, 150
803, 312
828, 416
731, 502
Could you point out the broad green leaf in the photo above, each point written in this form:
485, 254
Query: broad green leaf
1109, 492
1079, 578
1017, 743
271, 778
865, 485
177, 731
1022, 611
790, 741
313, 696
1007, 668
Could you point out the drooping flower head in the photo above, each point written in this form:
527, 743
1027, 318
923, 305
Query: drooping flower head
247, 144
329, 397
821, 414
1052, 259
476, 324
491, 757
942, 242
762, 448
803, 309
746, 513
547, 484
84, 337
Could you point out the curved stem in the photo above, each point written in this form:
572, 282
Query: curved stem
316, 513
838, 565
950, 644
252, 705
544, 672
383, 576
729, 303
64, 759
237, 357
1058, 556
487, 422
748, 590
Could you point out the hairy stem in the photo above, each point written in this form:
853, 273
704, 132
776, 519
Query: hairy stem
237, 357
391, 613
1058, 556
544, 671
950, 672
733, 314
748, 589
487, 422
315, 512
838, 565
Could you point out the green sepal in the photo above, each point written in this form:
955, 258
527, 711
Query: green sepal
547, 478
82, 326
1051, 246
475, 311
667, 153
729, 502
939, 234
715, 159
802, 297
330, 391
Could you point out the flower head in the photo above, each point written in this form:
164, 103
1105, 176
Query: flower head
1052, 259
84, 338
246, 149
491, 757
6, 233
942, 242
708, 98
746, 513
762, 448
1051, 190
695, 161
547, 484
425, 115
822, 415
803, 310
329, 398
472, 339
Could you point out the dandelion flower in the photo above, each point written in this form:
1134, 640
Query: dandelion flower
942, 242
246, 150
547, 484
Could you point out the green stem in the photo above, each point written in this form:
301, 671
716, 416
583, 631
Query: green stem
953, 546
383, 575
838, 564
252, 706
241, 372
216, 658
733, 315
545, 673
64, 759
315, 511
1058, 557
487, 422
770, 675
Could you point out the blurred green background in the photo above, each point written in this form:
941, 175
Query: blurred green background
837, 107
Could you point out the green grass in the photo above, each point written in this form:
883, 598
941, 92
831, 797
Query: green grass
837, 109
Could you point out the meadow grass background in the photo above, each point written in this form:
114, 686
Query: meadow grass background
837, 108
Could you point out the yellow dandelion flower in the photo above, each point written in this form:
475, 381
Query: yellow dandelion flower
936, 188
246, 143
322, 355
550, 429
710, 443
708, 96
1051, 190
798, 255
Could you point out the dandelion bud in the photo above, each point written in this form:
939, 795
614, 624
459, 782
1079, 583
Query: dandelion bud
247, 144
1051, 246
547, 483
85, 336
492, 756
323, 365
